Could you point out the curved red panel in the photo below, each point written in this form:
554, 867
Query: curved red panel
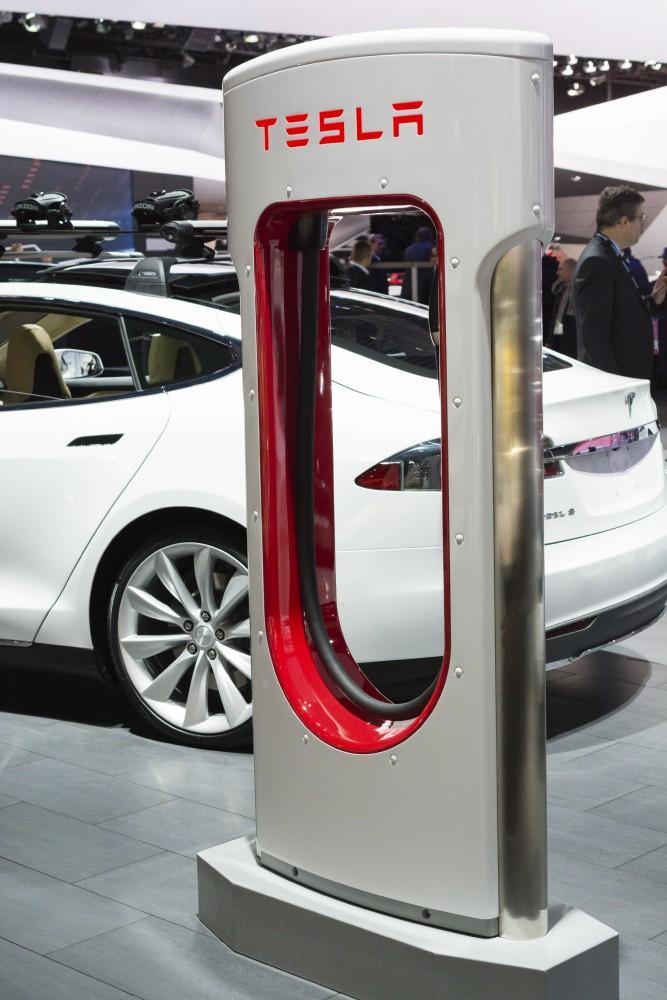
316, 699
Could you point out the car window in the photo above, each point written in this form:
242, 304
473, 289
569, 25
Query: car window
394, 337
550, 363
50, 355
167, 355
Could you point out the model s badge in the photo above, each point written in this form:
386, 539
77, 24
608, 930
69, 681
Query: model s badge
336, 125
629, 400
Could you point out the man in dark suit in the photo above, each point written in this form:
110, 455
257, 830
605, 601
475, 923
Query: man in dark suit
360, 260
614, 319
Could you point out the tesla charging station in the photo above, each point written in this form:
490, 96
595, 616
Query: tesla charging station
401, 848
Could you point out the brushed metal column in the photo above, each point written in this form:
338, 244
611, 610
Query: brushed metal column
519, 592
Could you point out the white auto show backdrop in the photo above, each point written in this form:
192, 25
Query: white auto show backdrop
615, 30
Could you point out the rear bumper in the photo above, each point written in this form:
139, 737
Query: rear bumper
606, 627
613, 583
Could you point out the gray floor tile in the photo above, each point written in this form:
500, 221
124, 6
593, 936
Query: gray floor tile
64, 847
652, 865
646, 807
631, 763
159, 961
13, 722
13, 756
650, 735
76, 791
643, 969
182, 826
615, 664
576, 789
26, 976
102, 750
165, 886
223, 785
630, 904
570, 746
43, 914
599, 840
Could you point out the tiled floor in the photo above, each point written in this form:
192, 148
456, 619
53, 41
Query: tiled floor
100, 825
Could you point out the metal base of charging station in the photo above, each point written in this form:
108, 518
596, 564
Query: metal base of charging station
371, 956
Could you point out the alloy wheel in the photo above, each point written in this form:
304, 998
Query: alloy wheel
183, 633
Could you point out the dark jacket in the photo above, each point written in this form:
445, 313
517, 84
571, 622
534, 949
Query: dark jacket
613, 321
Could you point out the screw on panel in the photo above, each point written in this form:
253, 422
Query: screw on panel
536, 209
457, 401
255, 515
393, 759
426, 914
295, 871
260, 636
305, 737
247, 270
383, 182
535, 78
455, 262
252, 395
458, 672
288, 191
458, 539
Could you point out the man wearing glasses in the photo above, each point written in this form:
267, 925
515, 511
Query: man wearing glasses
614, 317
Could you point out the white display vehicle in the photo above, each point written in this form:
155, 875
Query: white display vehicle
122, 508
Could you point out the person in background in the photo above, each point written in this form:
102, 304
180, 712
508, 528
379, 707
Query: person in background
379, 277
358, 270
638, 271
614, 319
661, 322
420, 250
562, 332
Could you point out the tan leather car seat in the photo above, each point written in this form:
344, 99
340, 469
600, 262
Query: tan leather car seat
171, 360
32, 367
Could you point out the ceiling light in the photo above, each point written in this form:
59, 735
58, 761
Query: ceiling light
656, 65
589, 66
102, 27
556, 239
626, 64
251, 38
572, 61
33, 22
595, 81
604, 66
139, 25
567, 71
555, 63
576, 90
576, 178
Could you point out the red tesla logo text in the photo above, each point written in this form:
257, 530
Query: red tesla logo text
332, 126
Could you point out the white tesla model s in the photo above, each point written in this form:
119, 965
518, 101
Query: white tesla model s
122, 515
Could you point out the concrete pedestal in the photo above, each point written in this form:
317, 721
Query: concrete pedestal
372, 956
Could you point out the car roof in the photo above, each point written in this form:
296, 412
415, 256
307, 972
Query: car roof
168, 308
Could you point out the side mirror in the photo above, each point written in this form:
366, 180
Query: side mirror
78, 364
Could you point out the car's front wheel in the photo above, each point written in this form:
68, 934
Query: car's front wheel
179, 634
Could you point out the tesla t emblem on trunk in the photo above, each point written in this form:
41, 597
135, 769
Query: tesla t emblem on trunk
629, 400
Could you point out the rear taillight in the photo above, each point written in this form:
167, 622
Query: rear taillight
416, 468
419, 468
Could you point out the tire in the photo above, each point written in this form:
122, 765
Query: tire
179, 637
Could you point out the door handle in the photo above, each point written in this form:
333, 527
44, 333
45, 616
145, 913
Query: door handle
83, 442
